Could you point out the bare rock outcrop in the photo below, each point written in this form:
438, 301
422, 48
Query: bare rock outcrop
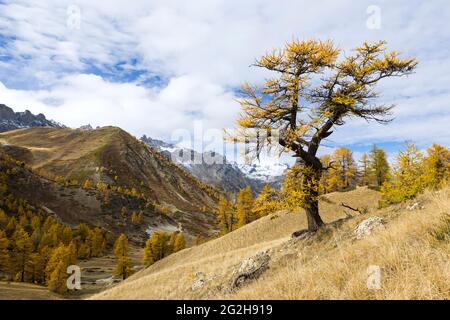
250, 269
199, 281
414, 206
366, 227
10, 120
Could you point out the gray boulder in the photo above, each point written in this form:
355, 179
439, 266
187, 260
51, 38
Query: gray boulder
199, 281
250, 269
366, 227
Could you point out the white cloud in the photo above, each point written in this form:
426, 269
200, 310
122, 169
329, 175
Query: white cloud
203, 49
86, 98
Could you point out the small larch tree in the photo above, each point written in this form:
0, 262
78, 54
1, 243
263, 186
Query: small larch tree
97, 242
407, 179
136, 218
244, 205
364, 170
162, 244
66, 235
122, 252
148, 257
437, 166
343, 169
22, 249
4, 253
36, 268
179, 243
3, 219
225, 215
158, 246
266, 202
56, 269
311, 92
378, 166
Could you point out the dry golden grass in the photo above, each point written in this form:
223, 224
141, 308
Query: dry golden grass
25, 291
414, 264
330, 265
49, 144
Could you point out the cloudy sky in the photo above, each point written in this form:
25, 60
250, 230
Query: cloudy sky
159, 67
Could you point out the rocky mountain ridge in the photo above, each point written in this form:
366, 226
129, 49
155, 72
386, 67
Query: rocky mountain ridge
10, 120
214, 168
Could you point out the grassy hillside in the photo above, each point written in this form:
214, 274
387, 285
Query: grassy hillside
413, 252
25, 291
112, 156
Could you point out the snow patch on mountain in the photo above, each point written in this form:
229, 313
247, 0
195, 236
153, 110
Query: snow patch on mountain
264, 172
215, 169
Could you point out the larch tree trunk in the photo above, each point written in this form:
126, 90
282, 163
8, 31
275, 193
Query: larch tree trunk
311, 201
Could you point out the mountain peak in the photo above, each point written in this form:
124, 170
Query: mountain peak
86, 127
214, 169
10, 120
155, 143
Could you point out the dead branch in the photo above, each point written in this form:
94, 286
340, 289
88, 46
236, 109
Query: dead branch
353, 209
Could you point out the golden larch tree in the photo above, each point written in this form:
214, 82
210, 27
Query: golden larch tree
66, 235
244, 205
311, 92
73, 253
22, 249
408, 179
180, 242
56, 269
225, 215
148, 254
97, 242
437, 166
158, 246
136, 218
122, 252
3, 219
11, 225
343, 170
36, 268
266, 202
88, 184
364, 170
4, 253
379, 166
44, 255
58, 278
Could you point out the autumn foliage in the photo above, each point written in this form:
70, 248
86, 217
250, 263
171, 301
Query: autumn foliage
34, 246
314, 88
412, 173
161, 244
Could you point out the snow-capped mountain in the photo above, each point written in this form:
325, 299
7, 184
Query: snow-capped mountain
264, 172
213, 168
10, 120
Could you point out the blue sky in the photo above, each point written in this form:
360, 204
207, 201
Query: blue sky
153, 67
